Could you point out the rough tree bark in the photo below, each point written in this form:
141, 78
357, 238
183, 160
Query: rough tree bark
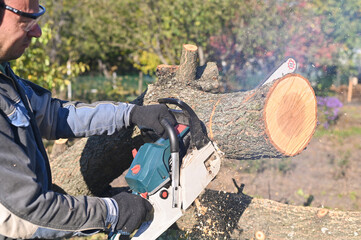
221, 215
275, 120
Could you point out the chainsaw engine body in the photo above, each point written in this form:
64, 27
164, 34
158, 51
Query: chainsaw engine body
150, 169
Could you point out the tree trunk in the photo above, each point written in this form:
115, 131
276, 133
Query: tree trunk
275, 120
220, 215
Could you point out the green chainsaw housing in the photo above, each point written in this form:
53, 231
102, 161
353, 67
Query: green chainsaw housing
150, 169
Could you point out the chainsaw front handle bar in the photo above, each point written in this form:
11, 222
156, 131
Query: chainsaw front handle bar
172, 134
174, 149
198, 132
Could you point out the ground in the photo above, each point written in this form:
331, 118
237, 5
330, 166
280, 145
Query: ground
327, 173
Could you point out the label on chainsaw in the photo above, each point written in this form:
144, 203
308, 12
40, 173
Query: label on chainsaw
291, 64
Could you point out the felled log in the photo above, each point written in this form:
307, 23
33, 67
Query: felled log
275, 120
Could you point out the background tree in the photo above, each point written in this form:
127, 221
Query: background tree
340, 21
149, 32
36, 64
246, 39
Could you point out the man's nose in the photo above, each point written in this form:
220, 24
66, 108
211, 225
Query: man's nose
35, 31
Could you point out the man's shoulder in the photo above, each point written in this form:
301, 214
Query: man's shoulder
11, 105
26, 84
31, 87
7, 87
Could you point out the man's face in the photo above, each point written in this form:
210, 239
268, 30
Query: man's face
13, 38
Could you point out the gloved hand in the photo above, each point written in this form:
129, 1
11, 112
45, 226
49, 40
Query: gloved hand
149, 116
133, 211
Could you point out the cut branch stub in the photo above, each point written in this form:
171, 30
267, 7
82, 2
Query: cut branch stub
165, 72
188, 64
205, 78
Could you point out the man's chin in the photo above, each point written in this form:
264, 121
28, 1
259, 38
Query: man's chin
17, 55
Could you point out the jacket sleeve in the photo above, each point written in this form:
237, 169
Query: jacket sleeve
61, 119
29, 211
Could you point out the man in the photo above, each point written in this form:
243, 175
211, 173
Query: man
28, 206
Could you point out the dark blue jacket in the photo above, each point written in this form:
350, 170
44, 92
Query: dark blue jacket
28, 206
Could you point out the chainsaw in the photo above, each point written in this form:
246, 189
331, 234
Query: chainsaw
171, 173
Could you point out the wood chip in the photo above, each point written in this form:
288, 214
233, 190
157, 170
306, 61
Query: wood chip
260, 235
322, 212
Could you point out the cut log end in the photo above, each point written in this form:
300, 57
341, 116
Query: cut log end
290, 114
167, 68
190, 47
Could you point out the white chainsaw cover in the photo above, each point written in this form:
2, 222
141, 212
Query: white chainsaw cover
197, 170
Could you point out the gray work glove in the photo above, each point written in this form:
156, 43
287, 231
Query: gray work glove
133, 211
149, 117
